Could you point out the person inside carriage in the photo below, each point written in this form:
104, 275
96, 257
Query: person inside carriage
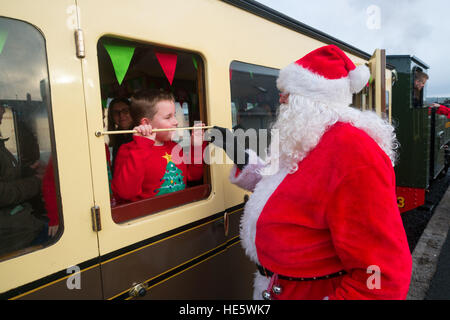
420, 79
152, 164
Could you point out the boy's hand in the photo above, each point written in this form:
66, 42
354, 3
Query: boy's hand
197, 135
146, 131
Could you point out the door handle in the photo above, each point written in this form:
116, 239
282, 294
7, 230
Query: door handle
138, 290
226, 223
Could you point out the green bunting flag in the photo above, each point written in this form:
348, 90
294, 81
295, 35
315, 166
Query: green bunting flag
3, 37
121, 56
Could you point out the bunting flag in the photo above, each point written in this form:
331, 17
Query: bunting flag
121, 56
3, 37
370, 81
168, 62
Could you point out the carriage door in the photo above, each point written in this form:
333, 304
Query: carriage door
162, 244
377, 83
45, 184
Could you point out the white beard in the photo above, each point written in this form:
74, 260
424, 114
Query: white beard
302, 123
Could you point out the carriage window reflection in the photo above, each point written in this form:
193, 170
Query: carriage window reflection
140, 82
254, 98
29, 210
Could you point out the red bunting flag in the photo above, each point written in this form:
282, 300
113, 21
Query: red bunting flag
168, 62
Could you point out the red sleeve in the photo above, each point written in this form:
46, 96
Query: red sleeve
195, 167
49, 195
443, 110
130, 167
369, 236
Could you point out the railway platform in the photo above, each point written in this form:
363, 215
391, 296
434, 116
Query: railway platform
431, 257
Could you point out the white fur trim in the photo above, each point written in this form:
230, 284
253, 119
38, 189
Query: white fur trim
358, 78
253, 209
250, 176
260, 283
295, 79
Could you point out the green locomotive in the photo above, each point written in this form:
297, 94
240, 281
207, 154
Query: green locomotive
422, 133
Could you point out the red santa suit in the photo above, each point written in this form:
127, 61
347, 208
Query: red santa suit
335, 218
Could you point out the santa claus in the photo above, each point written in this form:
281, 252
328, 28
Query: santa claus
326, 224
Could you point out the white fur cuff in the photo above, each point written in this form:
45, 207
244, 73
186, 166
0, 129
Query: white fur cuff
260, 283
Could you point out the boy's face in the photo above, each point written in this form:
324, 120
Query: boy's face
164, 119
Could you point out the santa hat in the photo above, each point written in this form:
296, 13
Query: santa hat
325, 74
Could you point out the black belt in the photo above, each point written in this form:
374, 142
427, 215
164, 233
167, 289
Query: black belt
265, 272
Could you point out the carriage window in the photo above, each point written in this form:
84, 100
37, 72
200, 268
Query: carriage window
254, 100
29, 218
138, 81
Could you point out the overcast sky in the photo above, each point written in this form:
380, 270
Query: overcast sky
414, 27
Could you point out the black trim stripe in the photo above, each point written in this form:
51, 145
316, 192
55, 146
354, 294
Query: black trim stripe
104, 258
285, 21
183, 267
165, 235
47, 279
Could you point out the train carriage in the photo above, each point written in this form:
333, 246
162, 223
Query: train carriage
61, 62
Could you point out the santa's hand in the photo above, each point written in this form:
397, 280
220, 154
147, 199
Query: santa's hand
229, 142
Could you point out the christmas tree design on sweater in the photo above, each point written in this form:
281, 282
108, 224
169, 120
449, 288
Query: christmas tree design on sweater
172, 179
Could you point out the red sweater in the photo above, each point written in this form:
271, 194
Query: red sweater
143, 170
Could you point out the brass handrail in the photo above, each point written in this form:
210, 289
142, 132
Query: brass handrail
102, 133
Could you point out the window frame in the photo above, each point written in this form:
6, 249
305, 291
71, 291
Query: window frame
415, 69
47, 100
267, 119
125, 213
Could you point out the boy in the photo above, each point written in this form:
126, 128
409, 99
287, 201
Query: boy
152, 164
